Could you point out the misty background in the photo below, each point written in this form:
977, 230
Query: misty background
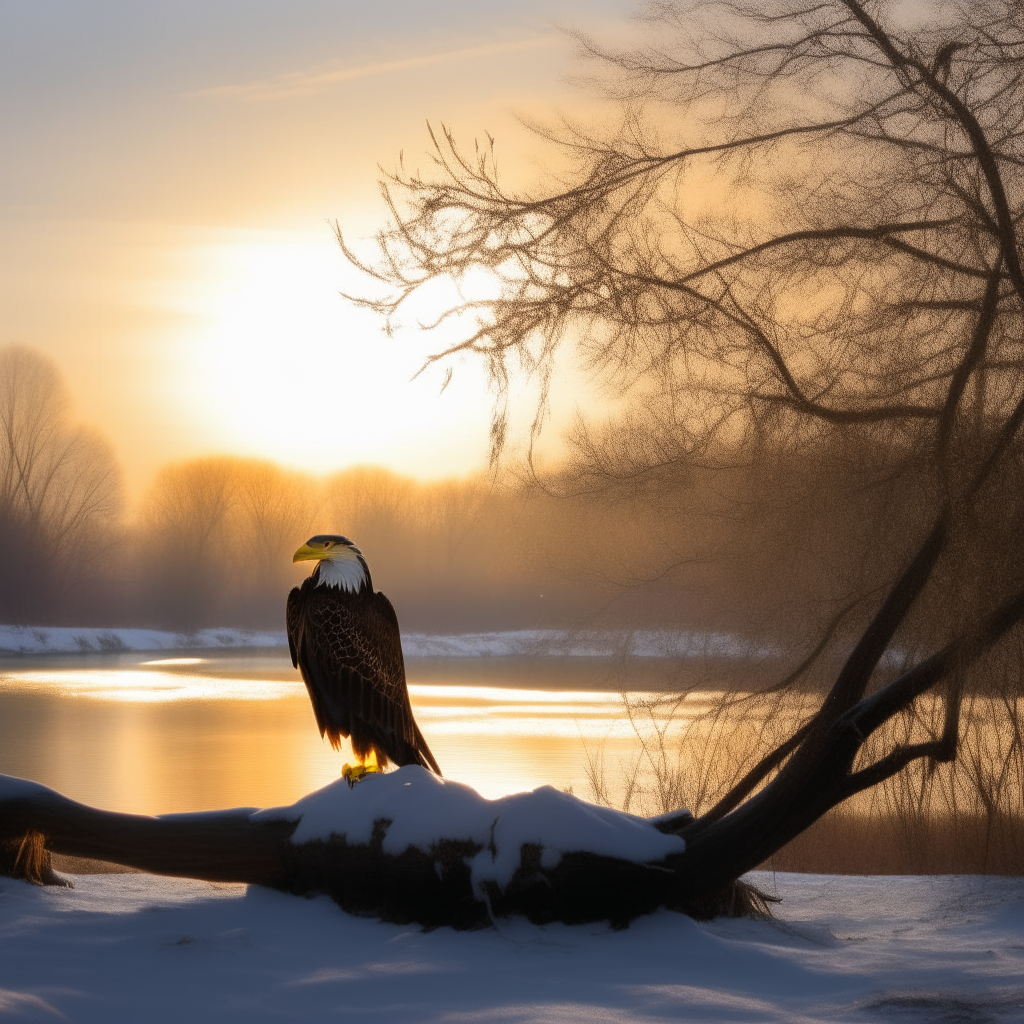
624, 534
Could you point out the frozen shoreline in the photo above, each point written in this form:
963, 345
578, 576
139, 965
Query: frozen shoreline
125, 948
523, 642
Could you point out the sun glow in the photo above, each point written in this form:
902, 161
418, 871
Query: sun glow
276, 363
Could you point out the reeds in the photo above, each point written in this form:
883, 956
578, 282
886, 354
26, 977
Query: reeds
966, 817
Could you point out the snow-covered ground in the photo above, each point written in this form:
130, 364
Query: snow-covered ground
127, 948
646, 643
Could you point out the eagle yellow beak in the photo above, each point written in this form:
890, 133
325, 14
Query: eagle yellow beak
308, 554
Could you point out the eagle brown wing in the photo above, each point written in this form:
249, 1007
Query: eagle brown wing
349, 650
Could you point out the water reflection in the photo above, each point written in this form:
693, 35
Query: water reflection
153, 735
146, 687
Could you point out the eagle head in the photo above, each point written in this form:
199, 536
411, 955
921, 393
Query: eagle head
341, 563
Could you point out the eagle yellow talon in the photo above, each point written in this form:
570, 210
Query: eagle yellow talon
352, 773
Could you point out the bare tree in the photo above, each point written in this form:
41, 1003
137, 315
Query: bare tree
184, 541
215, 538
60, 490
272, 509
802, 236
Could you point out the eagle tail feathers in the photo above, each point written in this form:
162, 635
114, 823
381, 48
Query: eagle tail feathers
423, 754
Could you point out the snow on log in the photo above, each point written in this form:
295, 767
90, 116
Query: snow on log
405, 846
420, 810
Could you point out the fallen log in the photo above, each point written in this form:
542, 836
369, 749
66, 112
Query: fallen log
376, 852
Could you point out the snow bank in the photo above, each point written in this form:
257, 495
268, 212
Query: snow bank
72, 640
510, 643
424, 808
582, 644
13, 788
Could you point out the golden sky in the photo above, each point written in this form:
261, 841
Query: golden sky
168, 175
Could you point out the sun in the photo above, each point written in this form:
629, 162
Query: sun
277, 364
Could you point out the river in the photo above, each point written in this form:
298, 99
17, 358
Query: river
156, 733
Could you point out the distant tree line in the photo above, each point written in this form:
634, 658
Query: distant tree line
210, 542
757, 547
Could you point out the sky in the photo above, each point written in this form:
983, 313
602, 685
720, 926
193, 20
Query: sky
168, 177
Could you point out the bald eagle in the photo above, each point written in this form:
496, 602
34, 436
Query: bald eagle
344, 640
